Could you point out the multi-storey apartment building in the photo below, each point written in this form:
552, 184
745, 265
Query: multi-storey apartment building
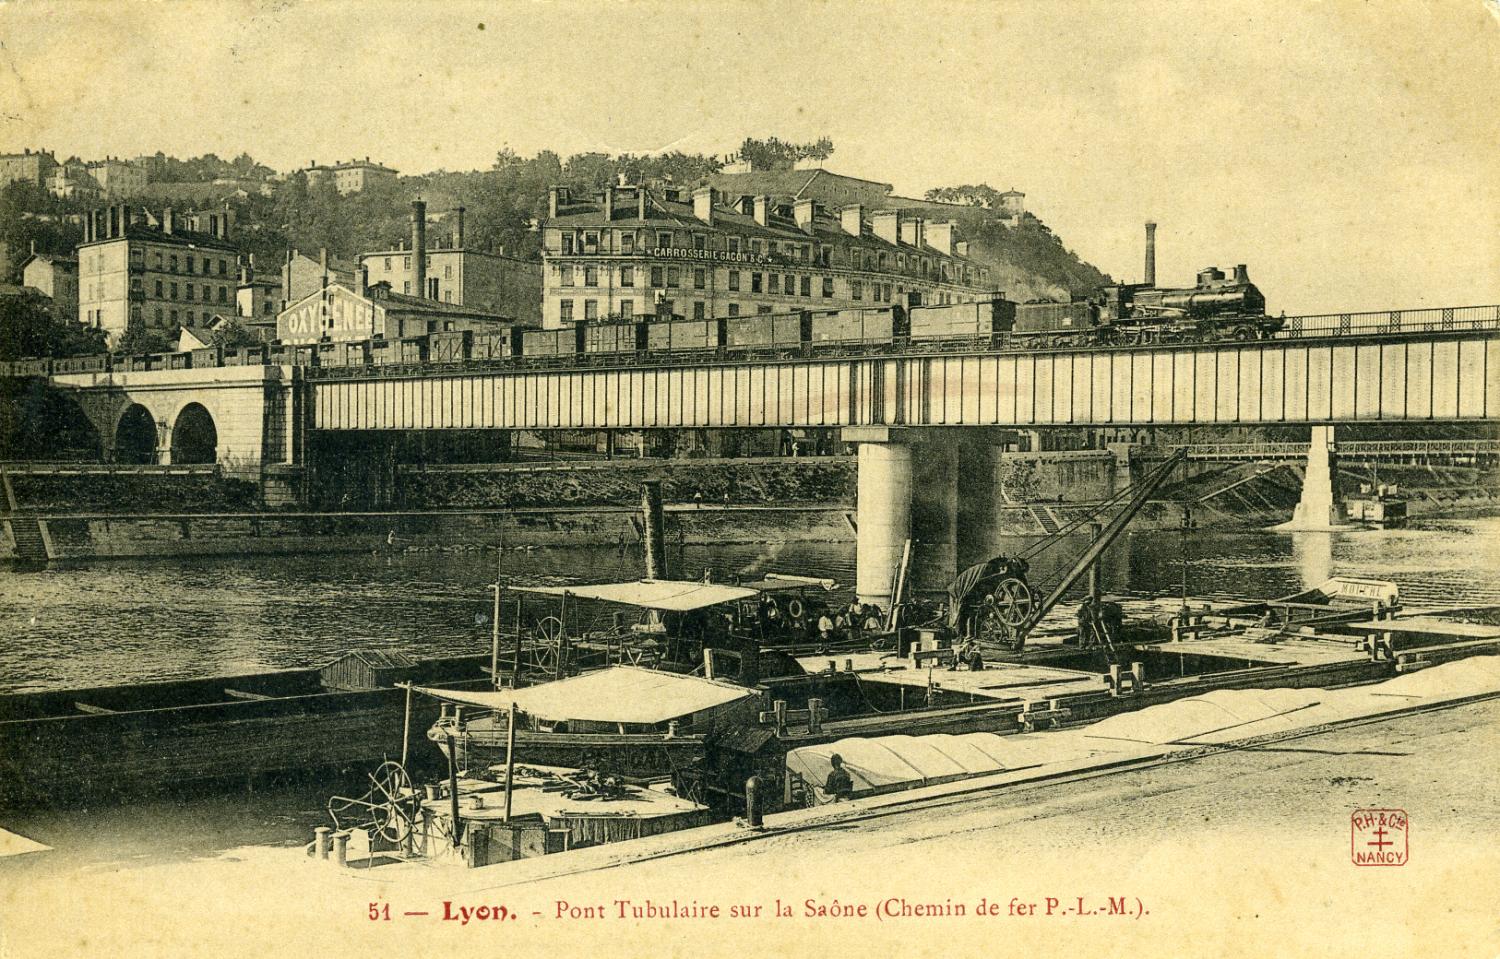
57, 277
499, 284
118, 178
29, 166
162, 273
350, 177
632, 250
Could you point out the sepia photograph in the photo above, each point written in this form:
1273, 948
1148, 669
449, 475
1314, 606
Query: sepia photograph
664, 478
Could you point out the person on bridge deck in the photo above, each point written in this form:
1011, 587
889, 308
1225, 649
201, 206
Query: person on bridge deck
839, 785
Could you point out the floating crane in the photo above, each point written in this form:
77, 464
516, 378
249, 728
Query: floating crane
1011, 607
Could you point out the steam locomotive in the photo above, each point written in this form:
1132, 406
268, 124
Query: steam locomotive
1219, 307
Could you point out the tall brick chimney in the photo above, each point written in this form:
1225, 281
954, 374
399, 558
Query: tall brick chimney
1150, 278
419, 249
458, 230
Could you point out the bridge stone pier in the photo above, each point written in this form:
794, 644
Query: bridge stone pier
244, 418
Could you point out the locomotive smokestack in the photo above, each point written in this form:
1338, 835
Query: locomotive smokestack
1150, 278
418, 249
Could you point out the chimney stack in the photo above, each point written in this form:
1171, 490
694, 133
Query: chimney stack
886, 224
802, 211
762, 210
703, 204
364, 278
1150, 278
850, 218
419, 249
609, 203
167, 222
323, 262
553, 201
458, 230
640, 202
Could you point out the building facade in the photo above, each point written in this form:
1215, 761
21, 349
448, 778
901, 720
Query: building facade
118, 178
161, 273
26, 167
630, 250
340, 314
302, 275
350, 177
57, 277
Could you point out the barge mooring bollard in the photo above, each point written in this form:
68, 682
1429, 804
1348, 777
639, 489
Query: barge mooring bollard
753, 817
341, 848
1138, 676
321, 841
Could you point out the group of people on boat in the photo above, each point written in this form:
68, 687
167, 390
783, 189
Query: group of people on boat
792, 618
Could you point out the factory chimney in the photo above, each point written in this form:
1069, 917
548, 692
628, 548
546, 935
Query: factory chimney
418, 249
458, 231
1150, 278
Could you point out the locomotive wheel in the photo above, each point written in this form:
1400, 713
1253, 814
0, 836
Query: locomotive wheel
1244, 333
1014, 601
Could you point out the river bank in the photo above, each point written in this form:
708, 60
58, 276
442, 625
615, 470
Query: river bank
755, 502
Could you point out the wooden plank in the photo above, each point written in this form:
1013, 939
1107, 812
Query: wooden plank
241, 694
94, 710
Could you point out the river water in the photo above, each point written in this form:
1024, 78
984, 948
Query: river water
130, 621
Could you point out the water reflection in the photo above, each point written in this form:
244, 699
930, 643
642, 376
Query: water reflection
1314, 555
117, 622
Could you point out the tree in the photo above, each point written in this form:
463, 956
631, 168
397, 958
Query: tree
139, 339
981, 195
29, 329
232, 334
777, 154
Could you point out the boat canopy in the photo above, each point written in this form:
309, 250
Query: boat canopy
622, 694
671, 596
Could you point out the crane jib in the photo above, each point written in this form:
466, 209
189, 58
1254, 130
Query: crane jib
1148, 487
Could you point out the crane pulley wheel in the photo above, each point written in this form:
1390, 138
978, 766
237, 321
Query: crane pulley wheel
1014, 601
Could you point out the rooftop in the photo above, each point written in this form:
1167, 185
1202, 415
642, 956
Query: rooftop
780, 223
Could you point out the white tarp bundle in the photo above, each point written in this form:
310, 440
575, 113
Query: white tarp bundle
622, 694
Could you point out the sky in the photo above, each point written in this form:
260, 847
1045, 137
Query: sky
1345, 151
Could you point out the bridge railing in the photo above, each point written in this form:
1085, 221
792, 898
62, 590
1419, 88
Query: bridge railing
1442, 319
1351, 449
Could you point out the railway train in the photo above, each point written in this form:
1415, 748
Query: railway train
1217, 308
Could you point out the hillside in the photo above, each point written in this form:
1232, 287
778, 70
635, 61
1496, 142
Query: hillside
503, 205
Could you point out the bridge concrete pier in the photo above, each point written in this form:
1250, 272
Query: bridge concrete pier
1320, 507
909, 488
883, 511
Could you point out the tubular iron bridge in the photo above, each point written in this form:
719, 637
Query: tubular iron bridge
1404, 376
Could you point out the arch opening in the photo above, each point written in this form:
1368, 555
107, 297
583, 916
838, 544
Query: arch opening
135, 436
195, 439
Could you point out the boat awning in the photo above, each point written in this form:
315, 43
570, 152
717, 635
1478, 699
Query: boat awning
672, 596
624, 694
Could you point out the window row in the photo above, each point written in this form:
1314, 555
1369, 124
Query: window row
856, 257
187, 263
168, 290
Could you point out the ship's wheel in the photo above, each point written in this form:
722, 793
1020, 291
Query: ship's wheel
393, 796
388, 809
548, 647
